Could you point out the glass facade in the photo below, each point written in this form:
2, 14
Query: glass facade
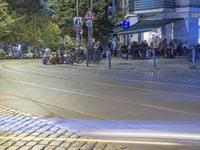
199, 31
186, 29
139, 5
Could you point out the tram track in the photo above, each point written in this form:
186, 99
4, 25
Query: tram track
80, 114
49, 105
102, 84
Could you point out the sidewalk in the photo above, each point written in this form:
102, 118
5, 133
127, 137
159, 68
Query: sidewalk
177, 70
141, 64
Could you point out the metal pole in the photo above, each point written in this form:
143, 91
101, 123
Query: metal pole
91, 7
154, 58
193, 56
78, 33
88, 49
78, 7
91, 32
89, 36
109, 57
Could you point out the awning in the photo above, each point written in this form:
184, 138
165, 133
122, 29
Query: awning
147, 25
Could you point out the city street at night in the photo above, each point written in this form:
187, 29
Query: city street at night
99, 75
131, 106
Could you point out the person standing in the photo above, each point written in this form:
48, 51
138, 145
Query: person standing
110, 46
124, 51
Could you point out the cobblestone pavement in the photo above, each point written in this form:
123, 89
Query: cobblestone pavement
20, 131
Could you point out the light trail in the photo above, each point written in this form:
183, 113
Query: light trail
160, 135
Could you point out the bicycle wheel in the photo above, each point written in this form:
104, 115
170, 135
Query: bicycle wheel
79, 59
187, 54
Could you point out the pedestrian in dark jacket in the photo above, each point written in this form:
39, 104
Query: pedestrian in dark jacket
124, 51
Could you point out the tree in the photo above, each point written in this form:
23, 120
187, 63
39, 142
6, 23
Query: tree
50, 33
62, 10
5, 20
36, 32
32, 27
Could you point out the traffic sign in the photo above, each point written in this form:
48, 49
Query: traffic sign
78, 22
89, 23
90, 15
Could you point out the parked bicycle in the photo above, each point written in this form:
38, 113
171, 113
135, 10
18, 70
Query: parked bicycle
188, 52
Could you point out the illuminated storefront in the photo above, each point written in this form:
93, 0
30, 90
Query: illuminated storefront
186, 29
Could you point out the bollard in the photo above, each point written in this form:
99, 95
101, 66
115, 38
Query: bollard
109, 60
193, 56
88, 57
147, 53
154, 59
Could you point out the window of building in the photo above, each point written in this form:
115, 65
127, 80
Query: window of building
199, 22
172, 31
199, 37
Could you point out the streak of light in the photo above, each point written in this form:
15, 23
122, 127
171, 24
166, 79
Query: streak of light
185, 136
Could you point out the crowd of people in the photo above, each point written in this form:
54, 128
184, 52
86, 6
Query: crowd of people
54, 57
165, 48
71, 55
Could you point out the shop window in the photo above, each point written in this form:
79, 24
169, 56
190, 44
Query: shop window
199, 36
199, 22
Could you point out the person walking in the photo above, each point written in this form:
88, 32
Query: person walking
163, 47
131, 49
110, 47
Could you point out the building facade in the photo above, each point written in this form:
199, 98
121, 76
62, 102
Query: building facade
184, 15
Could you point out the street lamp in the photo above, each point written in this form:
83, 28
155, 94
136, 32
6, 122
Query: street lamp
90, 30
78, 32
78, 7
89, 35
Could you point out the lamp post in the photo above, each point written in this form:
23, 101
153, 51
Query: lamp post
89, 36
78, 32
91, 7
78, 7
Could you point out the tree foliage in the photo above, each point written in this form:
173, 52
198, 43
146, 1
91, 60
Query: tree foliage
31, 26
5, 19
25, 21
37, 31
62, 10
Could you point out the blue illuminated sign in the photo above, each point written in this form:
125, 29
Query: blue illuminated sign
126, 24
